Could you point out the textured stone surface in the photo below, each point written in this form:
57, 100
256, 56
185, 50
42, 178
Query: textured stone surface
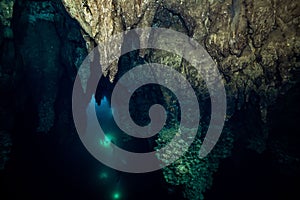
7, 79
48, 52
195, 174
6, 12
101, 19
254, 43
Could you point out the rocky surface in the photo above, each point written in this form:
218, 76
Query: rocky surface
254, 43
41, 50
7, 80
48, 53
101, 19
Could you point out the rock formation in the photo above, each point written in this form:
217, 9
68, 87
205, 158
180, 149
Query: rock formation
254, 43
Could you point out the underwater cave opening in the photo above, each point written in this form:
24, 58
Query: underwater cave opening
120, 184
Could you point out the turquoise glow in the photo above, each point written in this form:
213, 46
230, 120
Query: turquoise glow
116, 195
103, 175
106, 141
104, 107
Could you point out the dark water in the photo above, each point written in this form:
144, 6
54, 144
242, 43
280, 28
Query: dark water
42, 168
129, 186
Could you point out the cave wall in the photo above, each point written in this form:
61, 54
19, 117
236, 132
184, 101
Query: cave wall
255, 44
41, 50
8, 79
